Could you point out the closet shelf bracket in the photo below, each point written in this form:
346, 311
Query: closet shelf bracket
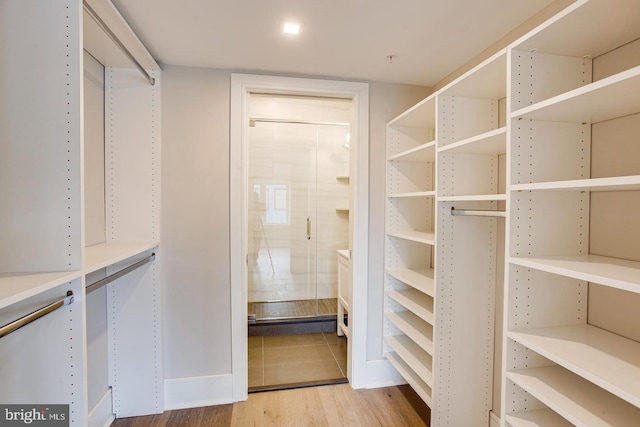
100, 283
475, 212
31, 317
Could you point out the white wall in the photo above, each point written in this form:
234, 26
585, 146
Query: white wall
195, 222
195, 216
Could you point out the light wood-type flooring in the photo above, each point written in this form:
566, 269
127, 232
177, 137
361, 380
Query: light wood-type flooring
334, 405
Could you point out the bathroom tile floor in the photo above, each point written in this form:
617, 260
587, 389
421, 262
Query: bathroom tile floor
289, 360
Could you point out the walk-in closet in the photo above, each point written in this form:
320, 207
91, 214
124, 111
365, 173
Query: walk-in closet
307, 213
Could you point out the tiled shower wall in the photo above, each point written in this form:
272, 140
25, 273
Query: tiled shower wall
305, 167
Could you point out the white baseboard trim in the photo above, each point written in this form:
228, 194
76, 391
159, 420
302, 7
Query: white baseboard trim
494, 420
102, 414
381, 373
193, 392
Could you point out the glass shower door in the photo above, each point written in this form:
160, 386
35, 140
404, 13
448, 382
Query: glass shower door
282, 262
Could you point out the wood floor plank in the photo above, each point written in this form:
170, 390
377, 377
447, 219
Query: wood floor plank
288, 407
391, 408
333, 405
343, 407
159, 420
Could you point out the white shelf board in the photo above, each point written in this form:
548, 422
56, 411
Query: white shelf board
473, 198
415, 236
422, 153
612, 272
566, 33
16, 287
591, 103
415, 301
492, 142
421, 115
413, 327
413, 194
415, 358
537, 418
576, 399
617, 183
420, 279
607, 360
106, 254
418, 384
487, 80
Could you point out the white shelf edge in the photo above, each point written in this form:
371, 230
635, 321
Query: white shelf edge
106, 254
537, 418
416, 151
428, 103
623, 183
474, 198
420, 279
498, 59
606, 359
609, 87
574, 398
415, 236
612, 272
474, 145
409, 324
414, 194
418, 384
414, 301
16, 287
413, 356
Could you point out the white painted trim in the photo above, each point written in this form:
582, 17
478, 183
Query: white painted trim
241, 85
494, 420
102, 414
381, 373
194, 392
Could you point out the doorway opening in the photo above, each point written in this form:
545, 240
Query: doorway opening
266, 216
298, 219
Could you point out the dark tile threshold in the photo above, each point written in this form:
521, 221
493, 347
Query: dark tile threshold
275, 387
311, 325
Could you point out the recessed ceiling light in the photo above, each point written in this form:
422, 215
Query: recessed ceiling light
291, 28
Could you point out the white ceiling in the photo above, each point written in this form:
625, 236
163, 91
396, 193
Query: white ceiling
347, 39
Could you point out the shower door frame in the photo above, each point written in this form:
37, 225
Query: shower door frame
241, 86
312, 235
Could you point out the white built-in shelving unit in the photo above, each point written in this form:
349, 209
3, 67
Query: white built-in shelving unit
539, 143
471, 148
410, 245
573, 258
441, 271
104, 364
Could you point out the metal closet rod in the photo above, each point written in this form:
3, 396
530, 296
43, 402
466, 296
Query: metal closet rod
92, 13
100, 283
476, 212
31, 317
